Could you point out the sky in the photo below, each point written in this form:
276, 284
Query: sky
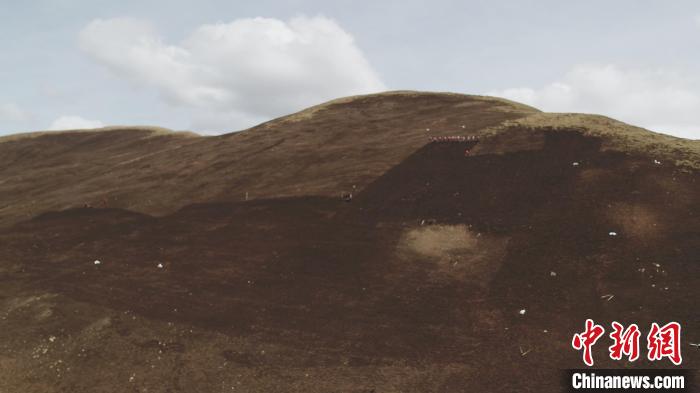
223, 66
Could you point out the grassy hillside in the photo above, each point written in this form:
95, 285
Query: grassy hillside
320, 151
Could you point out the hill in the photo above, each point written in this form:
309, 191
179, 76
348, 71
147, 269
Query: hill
323, 150
448, 271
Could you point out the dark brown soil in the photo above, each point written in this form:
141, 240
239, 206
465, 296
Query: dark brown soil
414, 286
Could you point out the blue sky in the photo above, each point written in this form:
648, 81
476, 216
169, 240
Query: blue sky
221, 66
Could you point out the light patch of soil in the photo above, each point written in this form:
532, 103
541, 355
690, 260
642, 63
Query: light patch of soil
454, 252
636, 220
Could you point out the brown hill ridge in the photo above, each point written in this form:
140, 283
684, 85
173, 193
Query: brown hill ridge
324, 150
320, 151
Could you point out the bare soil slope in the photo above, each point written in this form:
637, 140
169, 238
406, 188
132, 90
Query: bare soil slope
414, 286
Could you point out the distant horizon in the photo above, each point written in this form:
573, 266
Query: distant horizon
217, 67
156, 127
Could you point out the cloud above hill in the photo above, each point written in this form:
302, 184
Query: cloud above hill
74, 123
11, 112
232, 74
660, 100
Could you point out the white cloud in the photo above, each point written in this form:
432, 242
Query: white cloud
243, 71
660, 100
11, 112
74, 123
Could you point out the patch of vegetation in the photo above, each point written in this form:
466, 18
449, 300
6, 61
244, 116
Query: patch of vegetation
615, 135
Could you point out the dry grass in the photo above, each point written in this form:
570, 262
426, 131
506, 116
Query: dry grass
329, 148
308, 113
615, 135
320, 151
155, 131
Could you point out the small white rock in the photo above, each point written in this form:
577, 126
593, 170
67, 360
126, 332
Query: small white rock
97, 262
553, 274
575, 164
522, 312
612, 233
160, 266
